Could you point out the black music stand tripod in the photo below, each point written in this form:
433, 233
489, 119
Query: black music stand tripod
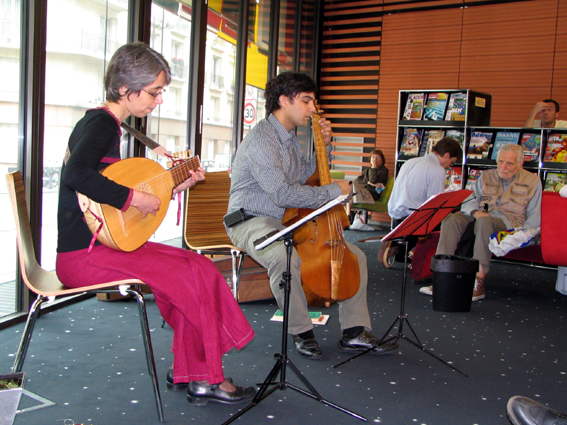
419, 223
282, 360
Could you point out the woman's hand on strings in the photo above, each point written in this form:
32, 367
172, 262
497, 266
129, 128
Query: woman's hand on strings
145, 202
194, 177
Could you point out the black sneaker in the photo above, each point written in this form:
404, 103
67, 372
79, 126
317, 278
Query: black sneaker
307, 346
363, 342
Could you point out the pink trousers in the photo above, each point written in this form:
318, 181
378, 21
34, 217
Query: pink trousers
192, 296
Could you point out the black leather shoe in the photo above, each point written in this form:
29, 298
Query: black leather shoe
200, 394
181, 386
525, 411
363, 342
307, 346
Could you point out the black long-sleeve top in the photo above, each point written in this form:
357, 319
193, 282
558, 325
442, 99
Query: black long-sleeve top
93, 145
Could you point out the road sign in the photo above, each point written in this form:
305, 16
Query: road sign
249, 113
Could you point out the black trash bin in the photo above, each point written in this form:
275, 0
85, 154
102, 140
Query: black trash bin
453, 282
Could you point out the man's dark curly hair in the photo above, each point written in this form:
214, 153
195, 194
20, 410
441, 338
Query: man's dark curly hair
290, 84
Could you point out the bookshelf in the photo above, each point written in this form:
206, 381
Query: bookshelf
469, 108
535, 160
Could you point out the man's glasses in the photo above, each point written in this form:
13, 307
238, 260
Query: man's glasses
154, 95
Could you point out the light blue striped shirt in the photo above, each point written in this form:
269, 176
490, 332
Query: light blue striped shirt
269, 172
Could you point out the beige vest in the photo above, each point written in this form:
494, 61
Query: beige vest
514, 201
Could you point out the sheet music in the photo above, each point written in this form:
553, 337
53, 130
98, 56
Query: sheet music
299, 223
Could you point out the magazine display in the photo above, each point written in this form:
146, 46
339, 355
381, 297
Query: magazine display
503, 138
457, 107
457, 135
414, 106
479, 145
410, 142
430, 139
554, 182
454, 179
435, 106
473, 176
531, 144
556, 149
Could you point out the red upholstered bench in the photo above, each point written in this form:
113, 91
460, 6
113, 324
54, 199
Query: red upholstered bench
551, 251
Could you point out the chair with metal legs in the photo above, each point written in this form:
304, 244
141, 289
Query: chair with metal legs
46, 285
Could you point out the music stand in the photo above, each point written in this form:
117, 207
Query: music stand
282, 360
421, 222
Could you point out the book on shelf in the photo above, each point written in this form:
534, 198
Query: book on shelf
434, 108
317, 317
531, 144
457, 135
479, 145
414, 106
556, 149
410, 142
430, 139
554, 182
454, 179
472, 177
457, 107
503, 138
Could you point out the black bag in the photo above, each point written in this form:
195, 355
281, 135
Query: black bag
465, 247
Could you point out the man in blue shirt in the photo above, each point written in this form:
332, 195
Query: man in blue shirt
421, 178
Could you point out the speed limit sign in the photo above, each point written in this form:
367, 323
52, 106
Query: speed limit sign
249, 113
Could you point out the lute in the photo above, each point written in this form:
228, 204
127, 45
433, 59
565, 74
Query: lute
128, 230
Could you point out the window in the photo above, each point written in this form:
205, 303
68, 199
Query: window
9, 97
78, 51
222, 28
171, 32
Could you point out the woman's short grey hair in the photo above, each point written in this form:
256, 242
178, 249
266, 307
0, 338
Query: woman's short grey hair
134, 66
510, 147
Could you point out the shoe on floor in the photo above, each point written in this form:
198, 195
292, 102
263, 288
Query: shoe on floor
307, 346
525, 411
478, 292
358, 224
200, 394
363, 342
181, 386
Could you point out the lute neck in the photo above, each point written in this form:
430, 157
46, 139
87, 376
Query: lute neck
181, 170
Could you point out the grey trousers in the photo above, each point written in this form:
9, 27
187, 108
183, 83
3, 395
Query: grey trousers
352, 312
453, 227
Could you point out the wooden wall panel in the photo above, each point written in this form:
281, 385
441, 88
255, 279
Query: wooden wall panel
420, 50
350, 71
509, 52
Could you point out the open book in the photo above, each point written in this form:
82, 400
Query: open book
361, 195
